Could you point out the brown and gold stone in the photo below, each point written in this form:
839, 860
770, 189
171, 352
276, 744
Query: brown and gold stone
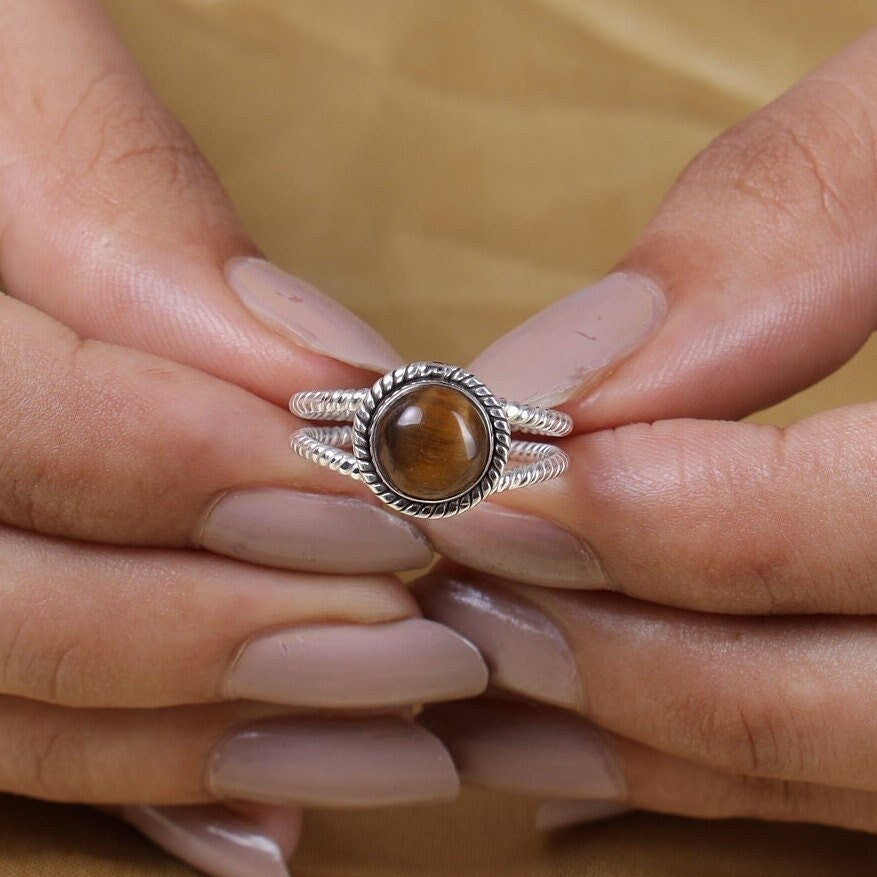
431, 443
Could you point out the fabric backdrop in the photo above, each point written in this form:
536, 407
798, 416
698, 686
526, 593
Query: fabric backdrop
445, 168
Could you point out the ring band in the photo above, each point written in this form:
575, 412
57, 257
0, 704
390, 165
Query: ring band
429, 439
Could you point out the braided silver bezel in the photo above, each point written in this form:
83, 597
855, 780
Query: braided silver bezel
387, 388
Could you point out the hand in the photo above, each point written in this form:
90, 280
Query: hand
714, 646
143, 346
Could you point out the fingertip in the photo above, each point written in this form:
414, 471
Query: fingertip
518, 545
309, 318
566, 349
526, 651
244, 842
283, 824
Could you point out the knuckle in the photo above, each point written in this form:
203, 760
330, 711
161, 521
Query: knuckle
760, 576
15, 636
789, 173
150, 150
41, 492
808, 155
53, 666
49, 469
765, 798
755, 734
41, 479
759, 568
53, 763
113, 129
51, 478
65, 671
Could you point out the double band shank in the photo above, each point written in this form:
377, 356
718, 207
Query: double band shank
429, 439
341, 405
325, 445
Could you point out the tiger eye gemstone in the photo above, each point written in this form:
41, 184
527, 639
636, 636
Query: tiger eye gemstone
431, 443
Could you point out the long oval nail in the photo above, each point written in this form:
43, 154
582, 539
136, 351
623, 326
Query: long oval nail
217, 840
352, 666
323, 762
307, 316
525, 652
505, 542
552, 815
566, 348
314, 532
526, 749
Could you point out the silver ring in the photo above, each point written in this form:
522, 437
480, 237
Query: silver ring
429, 439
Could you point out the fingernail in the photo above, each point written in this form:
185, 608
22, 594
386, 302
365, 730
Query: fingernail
525, 749
351, 666
517, 546
525, 652
552, 815
323, 762
311, 532
566, 348
217, 840
307, 316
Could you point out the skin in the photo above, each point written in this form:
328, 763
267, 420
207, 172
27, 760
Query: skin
125, 359
733, 668
782, 204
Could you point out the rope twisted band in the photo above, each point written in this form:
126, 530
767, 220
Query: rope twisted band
350, 450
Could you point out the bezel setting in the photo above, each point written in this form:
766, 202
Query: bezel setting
403, 380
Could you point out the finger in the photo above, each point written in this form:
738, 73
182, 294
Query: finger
86, 625
113, 222
725, 517
785, 697
219, 840
107, 444
762, 250
201, 754
518, 747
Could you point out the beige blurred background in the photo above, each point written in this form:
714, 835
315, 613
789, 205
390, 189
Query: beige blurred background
445, 168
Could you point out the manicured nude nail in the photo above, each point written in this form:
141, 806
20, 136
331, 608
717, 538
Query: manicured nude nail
215, 839
307, 316
526, 749
505, 542
324, 762
552, 815
312, 532
525, 652
568, 347
394, 664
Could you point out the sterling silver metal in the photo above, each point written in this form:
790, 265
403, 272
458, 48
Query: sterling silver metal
326, 445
